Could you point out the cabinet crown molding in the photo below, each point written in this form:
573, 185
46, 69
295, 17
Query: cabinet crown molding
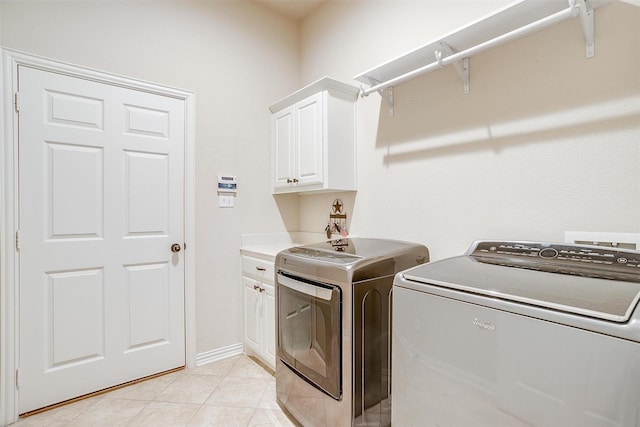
348, 91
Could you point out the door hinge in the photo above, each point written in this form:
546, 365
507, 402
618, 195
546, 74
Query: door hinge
17, 240
18, 378
16, 101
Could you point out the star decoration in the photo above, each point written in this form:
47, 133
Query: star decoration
337, 206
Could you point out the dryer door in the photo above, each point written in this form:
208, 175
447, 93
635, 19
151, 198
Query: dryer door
309, 328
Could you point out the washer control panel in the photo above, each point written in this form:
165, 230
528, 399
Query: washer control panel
581, 260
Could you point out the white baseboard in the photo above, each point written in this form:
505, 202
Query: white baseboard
218, 354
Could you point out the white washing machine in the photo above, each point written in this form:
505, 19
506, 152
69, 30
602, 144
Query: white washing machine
518, 334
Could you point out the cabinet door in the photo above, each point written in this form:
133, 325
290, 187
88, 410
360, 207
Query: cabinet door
310, 137
270, 323
252, 309
283, 147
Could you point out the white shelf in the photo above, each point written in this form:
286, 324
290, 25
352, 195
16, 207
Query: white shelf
515, 20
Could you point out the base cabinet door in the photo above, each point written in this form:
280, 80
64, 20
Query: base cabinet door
270, 322
259, 310
252, 303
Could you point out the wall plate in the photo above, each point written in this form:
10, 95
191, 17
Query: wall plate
597, 238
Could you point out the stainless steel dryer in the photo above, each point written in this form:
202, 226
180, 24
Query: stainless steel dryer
333, 317
519, 334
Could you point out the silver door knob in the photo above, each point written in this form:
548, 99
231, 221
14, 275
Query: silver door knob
175, 247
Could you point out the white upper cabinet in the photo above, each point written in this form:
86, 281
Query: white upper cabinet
308, 162
314, 139
282, 147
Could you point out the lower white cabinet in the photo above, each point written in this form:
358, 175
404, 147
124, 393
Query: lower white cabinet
259, 309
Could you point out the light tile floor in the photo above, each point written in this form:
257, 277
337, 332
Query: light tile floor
232, 392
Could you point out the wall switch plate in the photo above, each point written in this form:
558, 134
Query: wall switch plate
225, 201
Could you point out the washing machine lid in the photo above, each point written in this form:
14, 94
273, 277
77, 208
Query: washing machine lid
602, 283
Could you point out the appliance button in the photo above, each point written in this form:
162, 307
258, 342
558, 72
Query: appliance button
548, 253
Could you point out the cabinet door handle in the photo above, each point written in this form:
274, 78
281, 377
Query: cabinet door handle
257, 288
289, 181
261, 269
295, 180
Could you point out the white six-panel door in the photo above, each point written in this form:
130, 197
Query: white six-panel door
101, 201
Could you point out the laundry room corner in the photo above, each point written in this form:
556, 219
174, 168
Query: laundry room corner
503, 160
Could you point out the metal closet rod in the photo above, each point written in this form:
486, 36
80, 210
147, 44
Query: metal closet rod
570, 12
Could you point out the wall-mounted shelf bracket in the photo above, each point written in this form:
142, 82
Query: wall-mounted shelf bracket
586, 14
462, 66
388, 98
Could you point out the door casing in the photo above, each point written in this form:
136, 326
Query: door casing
9, 255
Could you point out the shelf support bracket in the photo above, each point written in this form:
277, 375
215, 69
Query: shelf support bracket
587, 20
462, 67
388, 98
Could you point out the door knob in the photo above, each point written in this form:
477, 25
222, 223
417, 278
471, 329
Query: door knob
175, 247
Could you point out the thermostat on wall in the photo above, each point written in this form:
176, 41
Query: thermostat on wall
227, 184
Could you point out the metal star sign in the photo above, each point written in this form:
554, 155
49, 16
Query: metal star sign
337, 206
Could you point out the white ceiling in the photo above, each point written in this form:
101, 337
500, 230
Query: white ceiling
295, 9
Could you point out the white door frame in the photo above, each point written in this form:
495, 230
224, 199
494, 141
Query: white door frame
9, 256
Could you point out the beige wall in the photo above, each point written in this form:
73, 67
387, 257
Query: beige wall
547, 141
238, 57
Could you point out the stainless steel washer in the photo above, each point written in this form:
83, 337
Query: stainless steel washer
333, 317
519, 334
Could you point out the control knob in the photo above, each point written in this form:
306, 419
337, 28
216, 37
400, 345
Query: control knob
548, 253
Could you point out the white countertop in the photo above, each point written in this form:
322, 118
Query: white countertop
269, 251
267, 245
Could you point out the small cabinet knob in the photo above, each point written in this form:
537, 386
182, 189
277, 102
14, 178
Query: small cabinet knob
175, 247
